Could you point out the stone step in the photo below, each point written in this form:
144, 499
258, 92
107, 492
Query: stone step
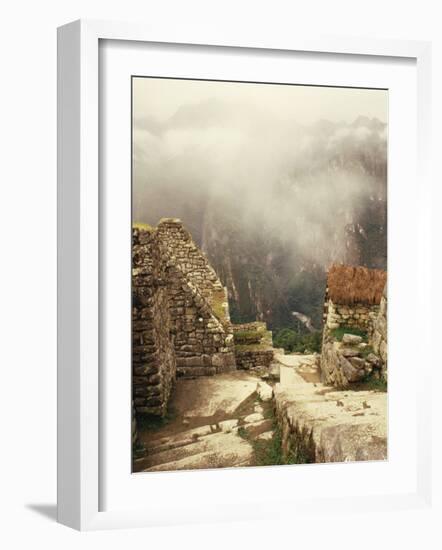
241, 454
228, 451
254, 429
190, 436
163, 442
265, 436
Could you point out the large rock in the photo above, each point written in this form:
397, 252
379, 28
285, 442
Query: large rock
350, 352
351, 339
332, 426
351, 372
204, 397
265, 391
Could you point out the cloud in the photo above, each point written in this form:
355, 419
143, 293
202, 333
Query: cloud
301, 183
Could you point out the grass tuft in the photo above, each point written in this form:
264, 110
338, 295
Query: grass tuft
217, 301
247, 337
375, 384
269, 452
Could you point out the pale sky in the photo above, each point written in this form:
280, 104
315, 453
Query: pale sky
197, 143
160, 99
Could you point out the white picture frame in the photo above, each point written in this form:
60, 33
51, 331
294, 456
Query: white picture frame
79, 264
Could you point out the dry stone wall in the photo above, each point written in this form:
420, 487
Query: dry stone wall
351, 360
180, 321
198, 306
247, 359
357, 315
343, 363
189, 258
254, 347
378, 339
254, 326
153, 354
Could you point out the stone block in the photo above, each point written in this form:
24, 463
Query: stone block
351, 339
194, 361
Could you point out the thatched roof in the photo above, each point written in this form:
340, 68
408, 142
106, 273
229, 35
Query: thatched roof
349, 285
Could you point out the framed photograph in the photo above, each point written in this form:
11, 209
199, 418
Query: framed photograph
237, 275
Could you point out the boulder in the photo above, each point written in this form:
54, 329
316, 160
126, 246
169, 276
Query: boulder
351, 339
351, 373
373, 360
349, 352
264, 391
357, 362
332, 425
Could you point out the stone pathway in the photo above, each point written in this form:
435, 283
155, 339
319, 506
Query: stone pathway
327, 424
211, 415
294, 366
216, 420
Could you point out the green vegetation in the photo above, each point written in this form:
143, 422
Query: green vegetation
242, 432
374, 384
262, 346
365, 352
218, 300
292, 341
150, 422
138, 450
237, 317
338, 333
269, 452
305, 293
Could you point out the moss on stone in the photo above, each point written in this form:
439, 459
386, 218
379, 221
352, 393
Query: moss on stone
142, 226
248, 337
217, 302
262, 346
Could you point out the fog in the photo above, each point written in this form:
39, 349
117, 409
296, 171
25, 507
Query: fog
299, 163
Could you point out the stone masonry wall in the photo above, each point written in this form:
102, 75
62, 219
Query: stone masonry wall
180, 316
378, 339
191, 261
198, 306
252, 359
253, 345
356, 315
153, 357
258, 326
343, 363
203, 346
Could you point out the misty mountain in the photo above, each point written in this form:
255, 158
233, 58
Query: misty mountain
271, 202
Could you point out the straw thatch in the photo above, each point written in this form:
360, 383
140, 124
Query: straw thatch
350, 285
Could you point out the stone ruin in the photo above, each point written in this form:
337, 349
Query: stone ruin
356, 298
253, 345
182, 328
180, 316
181, 324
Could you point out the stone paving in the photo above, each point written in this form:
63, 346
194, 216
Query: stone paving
319, 422
208, 413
